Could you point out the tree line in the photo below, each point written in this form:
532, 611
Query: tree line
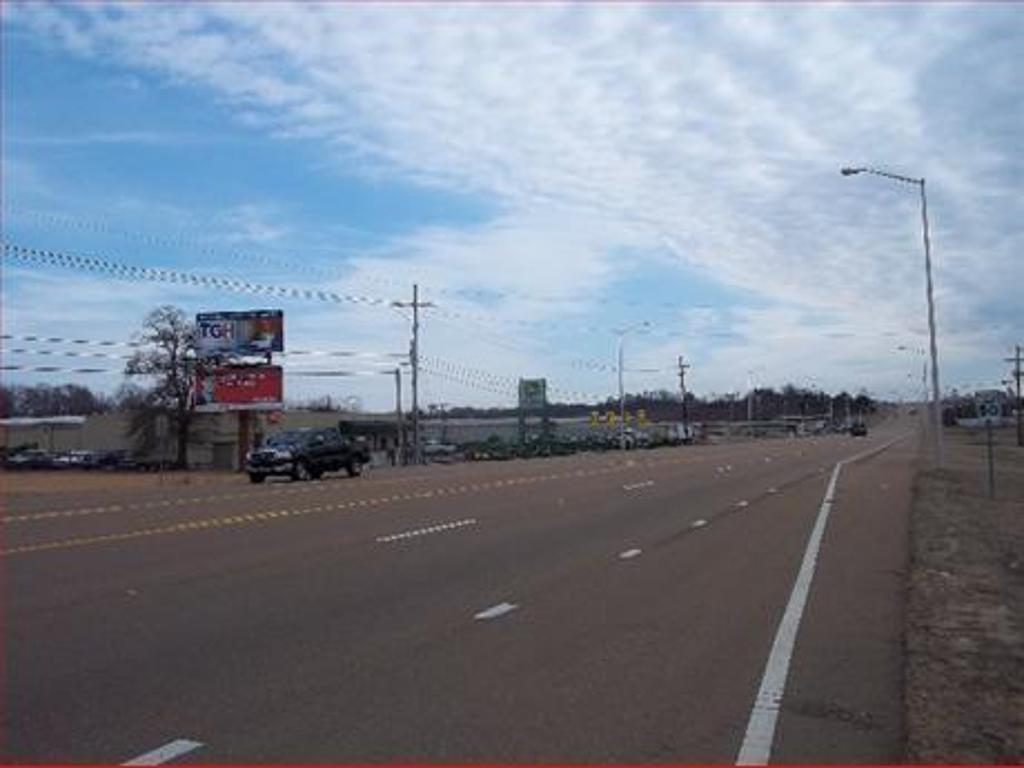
166, 358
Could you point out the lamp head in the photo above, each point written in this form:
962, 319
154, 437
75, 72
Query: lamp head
851, 171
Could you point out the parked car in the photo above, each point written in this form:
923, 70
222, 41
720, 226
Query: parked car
81, 460
859, 429
435, 450
32, 458
306, 454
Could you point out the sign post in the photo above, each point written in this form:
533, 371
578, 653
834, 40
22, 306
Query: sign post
991, 464
990, 410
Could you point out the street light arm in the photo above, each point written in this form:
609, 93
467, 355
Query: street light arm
886, 174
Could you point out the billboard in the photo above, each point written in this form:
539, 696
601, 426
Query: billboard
258, 388
239, 334
533, 393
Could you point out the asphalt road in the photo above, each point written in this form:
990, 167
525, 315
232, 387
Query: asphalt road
595, 608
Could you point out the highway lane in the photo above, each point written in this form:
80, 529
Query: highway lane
307, 637
131, 511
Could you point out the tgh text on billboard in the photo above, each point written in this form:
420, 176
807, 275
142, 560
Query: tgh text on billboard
240, 334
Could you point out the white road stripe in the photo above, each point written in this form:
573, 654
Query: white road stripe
699, 523
424, 531
634, 486
495, 611
742, 503
167, 752
756, 748
629, 553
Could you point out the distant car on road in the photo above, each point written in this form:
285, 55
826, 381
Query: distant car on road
435, 450
859, 429
305, 454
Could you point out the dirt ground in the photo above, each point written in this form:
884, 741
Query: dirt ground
29, 482
965, 619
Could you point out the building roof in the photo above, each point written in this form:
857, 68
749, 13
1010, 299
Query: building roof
43, 421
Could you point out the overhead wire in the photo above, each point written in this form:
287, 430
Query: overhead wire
159, 274
59, 340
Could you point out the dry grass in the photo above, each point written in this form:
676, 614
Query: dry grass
965, 640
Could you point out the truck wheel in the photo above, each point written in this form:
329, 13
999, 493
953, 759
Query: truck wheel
354, 468
254, 478
316, 474
301, 472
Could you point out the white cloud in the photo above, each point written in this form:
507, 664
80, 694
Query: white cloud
704, 139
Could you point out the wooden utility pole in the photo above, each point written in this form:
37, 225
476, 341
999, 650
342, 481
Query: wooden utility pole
400, 434
414, 361
682, 390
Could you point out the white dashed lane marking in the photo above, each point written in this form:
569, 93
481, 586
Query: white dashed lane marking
635, 486
699, 523
167, 752
495, 611
424, 531
629, 554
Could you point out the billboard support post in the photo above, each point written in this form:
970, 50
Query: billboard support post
244, 425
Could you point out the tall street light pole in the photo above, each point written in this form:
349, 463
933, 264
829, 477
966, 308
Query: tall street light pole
936, 396
621, 333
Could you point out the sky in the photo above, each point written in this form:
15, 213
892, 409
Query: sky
554, 177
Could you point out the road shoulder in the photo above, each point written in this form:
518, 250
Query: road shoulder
843, 699
965, 644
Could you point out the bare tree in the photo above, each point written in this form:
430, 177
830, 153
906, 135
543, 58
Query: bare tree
168, 357
47, 400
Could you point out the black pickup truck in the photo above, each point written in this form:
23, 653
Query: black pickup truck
305, 454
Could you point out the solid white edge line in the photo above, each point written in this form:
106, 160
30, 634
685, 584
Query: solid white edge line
757, 743
167, 752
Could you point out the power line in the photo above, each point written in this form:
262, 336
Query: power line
158, 274
286, 371
137, 344
190, 244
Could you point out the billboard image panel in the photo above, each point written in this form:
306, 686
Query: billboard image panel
259, 388
239, 334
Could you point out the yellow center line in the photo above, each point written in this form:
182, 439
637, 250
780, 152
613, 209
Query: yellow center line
257, 517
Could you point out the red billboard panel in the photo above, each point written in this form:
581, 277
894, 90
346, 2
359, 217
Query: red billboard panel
258, 388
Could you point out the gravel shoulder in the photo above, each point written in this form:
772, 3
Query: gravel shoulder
964, 680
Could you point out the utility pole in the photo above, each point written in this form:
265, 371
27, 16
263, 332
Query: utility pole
750, 402
1020, 416
622, 401
414, 361
682, 390
400, 434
